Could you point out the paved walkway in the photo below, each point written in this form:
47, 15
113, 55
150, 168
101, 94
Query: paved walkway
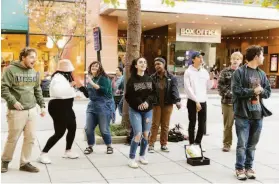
163, 168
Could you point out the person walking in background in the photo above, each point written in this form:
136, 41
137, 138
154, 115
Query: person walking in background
45, 85
118, 88
61, 110
100, 109
140, 95
196, 82
167, 95
20, 87
249, 86
224, 88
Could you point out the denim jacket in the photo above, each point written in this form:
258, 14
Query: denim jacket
242, 93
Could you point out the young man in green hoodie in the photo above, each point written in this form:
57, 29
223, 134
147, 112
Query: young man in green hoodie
21, 89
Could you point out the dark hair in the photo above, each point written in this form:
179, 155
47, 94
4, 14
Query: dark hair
100, 71
26, 52
133, 68
120, 69
253, 51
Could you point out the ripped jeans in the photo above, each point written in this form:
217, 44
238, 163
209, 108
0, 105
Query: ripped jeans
141, 124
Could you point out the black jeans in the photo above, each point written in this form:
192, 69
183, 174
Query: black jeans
64, 118
117, 100
192, 114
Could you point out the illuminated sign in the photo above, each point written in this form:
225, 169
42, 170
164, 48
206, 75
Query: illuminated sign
197, 32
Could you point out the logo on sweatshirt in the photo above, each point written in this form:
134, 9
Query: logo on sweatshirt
142, 86
23, 79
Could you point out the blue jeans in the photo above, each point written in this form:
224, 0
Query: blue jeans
140, 122
248, 135
101, 119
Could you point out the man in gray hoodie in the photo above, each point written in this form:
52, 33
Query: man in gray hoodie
21, 89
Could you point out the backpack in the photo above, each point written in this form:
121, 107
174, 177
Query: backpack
175, 134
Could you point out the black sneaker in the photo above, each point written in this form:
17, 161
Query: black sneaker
4, 166
165, 149
29, 168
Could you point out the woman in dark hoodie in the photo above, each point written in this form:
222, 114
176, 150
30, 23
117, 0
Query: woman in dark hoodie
140, 96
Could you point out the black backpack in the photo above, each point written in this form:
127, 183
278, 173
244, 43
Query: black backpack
175, 134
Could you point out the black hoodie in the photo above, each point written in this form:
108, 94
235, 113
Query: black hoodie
140, 89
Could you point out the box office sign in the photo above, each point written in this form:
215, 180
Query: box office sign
198, 33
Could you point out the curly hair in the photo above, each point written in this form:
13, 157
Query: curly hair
26, 52
253, 51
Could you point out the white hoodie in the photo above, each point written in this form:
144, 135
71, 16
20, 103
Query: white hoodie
196, 83
60, 88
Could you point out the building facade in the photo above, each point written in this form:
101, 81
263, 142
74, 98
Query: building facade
216, 27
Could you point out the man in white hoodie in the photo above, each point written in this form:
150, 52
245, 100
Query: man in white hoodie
196, 82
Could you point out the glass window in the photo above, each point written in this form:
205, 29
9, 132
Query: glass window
11, 46
48, 54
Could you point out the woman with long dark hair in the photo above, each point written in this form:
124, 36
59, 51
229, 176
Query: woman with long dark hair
60, 109
140, 96
101, 106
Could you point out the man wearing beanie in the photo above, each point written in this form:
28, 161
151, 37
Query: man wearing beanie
196, 83
167, 95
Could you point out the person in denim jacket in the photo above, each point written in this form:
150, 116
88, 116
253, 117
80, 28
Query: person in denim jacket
140, 95
100, 109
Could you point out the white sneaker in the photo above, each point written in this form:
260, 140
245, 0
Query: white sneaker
71, 155
143, 160
132, 163
44, 159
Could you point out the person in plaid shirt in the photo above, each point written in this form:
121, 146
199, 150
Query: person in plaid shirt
224, 88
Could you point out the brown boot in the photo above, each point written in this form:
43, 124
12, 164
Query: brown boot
4, 166
29, 168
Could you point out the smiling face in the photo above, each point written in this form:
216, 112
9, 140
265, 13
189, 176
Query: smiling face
95, 68
29, 60
141, 65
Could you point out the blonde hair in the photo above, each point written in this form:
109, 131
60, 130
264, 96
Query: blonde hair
237, 54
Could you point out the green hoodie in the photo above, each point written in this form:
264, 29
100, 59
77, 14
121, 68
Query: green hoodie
20, 84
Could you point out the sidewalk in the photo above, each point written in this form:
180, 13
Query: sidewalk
163, 167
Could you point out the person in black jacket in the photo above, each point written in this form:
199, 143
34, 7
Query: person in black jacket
140, 95
167, 95
249, 86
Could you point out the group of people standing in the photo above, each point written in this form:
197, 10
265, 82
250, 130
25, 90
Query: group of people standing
150, 98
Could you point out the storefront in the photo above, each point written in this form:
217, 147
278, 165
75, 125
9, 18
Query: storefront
18, 32
268, 39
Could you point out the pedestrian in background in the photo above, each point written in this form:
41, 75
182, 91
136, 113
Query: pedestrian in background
118, 88
20, 87
225, 91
